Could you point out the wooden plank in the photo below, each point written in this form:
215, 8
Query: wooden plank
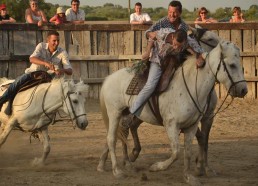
144, 42
4, 69
138, 42
249, 63
24, 42
225, 34
93, 80
4, 42
129, 43
236, 37
105, 57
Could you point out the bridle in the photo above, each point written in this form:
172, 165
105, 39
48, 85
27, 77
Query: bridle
64, 97
233, 84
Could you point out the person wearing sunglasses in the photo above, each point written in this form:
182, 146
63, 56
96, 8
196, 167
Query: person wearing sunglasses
74, 14
4, 17
203, 16
237, 15
34, 14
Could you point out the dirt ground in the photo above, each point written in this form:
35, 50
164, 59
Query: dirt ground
233, 153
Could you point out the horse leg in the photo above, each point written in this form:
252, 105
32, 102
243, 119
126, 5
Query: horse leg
137, 145
203, 141
202, 136
189, 134
46, 149
6, 130
173, 135
103, 159
111, 141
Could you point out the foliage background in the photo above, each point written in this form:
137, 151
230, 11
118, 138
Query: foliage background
112, 12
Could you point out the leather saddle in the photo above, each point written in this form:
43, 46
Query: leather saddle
169, 65
36, 78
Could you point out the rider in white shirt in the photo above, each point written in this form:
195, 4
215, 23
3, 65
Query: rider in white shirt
138, 17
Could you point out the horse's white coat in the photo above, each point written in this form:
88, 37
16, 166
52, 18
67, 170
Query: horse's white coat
28, 109
176, 107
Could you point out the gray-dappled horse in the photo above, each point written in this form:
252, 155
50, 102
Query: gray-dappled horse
34, 109
208, 40
180, 107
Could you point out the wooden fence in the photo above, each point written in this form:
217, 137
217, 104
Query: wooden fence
97, 50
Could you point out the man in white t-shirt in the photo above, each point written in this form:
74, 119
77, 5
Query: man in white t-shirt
138, 17
74, 14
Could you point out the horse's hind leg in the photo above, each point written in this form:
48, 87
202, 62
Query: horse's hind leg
103, 159
6, 131
46, 149
137, 145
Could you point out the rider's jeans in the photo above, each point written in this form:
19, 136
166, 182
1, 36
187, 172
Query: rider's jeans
15, 86
152, 82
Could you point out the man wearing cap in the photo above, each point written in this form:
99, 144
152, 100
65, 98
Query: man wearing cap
74, 14
60, 16
4, 17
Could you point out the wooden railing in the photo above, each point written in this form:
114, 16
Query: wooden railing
96, 50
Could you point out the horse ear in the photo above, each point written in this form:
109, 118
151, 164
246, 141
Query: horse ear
81, 87
191, 30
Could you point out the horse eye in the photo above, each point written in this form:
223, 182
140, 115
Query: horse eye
75, 101
233, 66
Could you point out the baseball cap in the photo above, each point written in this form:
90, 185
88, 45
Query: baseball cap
60, 10
2, 6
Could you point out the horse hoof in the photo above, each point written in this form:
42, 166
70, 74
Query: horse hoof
100, 168
119, 174
37, 162
191, 180
155, 167
210, 172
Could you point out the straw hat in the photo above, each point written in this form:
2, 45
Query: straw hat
60, 10
2, 6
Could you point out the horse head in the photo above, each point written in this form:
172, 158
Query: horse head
74, 102
207, 39
228, 70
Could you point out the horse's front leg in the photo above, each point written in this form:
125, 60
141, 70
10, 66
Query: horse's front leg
202, 136
189, 134
46, 148
7, 129
111, 141
103, 159
173, 135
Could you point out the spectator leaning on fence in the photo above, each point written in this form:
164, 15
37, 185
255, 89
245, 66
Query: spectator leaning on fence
4, 17
60, 16
203, 16
138, 17
237, 15
34, 14
74, 14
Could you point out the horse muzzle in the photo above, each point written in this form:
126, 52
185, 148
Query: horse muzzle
239, 90
82, 122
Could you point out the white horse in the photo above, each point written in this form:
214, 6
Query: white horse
34, 109
208, 40
180, 107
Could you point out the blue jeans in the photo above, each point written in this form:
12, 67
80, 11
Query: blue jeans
14, 87
152, 82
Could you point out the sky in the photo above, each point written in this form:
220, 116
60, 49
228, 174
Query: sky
211, 5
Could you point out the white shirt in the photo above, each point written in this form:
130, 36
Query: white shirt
142, 17
72, 16
59, 58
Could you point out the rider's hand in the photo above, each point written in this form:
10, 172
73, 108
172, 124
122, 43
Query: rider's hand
59, 72
152, 35
49, 66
